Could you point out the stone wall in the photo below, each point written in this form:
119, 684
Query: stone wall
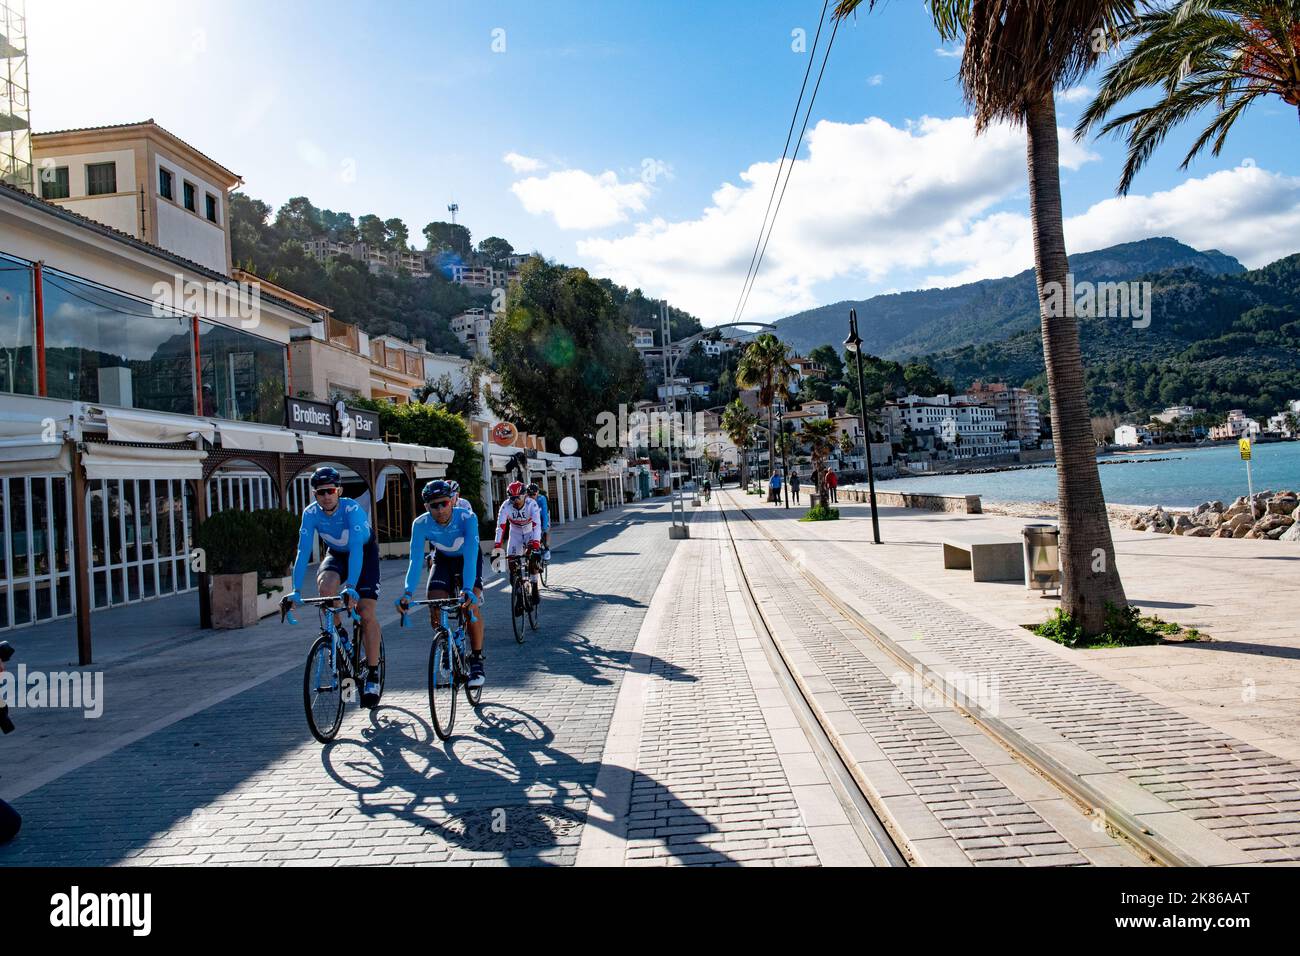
963, 504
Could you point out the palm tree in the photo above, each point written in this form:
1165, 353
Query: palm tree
766, 366
846, 447
738, 422
1216, 54
820, 435
1017, 52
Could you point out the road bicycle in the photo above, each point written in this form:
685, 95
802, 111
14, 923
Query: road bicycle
448, 662
523, 599
335, 666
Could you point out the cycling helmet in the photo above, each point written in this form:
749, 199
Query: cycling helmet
325, 476
515, 490
533, 488
453, 486
435, 489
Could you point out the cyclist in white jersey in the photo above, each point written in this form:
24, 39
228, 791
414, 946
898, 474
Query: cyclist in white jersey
521, 519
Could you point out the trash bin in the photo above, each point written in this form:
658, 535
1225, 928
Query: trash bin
1042, 557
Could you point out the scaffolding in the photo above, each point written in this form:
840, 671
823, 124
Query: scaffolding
15, 108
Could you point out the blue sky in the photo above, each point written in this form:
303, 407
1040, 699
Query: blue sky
643, 137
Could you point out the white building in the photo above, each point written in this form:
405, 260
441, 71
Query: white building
1176, 413
473, 327
968, 429
1131, 436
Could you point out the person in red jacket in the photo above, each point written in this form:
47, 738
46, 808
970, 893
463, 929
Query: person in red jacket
832, 482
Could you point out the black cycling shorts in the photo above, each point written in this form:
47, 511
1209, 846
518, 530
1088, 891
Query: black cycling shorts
448, 572
368, 581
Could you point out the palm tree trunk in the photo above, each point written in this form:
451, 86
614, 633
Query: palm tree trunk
1089, 577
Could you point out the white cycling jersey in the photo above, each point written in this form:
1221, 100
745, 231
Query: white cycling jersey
524, 524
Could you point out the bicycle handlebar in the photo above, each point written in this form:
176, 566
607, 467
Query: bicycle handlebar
447, 603
286, 608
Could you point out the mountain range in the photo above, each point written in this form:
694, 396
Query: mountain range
905, 324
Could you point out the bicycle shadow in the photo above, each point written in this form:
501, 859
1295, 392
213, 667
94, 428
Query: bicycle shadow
577, 656
498, 790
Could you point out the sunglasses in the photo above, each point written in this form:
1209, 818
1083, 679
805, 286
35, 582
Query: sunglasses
322, 492
440, 504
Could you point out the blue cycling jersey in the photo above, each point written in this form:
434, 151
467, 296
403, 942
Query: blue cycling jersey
458, 537
347, 529
546, 511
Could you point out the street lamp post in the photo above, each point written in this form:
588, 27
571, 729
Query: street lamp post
785, 465
854, 344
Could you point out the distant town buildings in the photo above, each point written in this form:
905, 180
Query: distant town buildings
1132, 436
1017, 407
473, 327
375, 259
1237, 426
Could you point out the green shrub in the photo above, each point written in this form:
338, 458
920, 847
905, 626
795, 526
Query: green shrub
233, 541
822, 513
280, 544
1123, 627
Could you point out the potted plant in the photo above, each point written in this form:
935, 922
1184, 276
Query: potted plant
280, 547
233, 546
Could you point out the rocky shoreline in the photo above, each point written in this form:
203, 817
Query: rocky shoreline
1267, 514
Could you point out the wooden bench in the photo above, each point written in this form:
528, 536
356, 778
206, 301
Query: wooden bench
991, 557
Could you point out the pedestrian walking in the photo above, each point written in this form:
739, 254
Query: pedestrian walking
794, 486
832, 482
774, 488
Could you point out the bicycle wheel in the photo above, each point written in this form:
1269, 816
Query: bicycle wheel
442, 687
472, 694
322, 691
534, 602
546, 566
517, 611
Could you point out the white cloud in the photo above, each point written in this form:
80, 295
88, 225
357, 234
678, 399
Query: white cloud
956, 51
1075, 94
875, 79
871, 198
522, 164
576, 199
1247, 212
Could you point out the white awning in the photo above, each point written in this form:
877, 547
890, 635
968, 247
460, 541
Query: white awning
438, 456
134, 461
31, 455
425, 472
134, 425
255, 438
342, 447
404, 452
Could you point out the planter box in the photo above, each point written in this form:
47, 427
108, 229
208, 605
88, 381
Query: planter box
268, 604
234, 600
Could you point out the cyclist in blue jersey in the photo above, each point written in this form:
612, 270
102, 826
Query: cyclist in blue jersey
351, 559
457, 563
535, 492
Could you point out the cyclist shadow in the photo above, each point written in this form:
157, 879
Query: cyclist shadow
576, 655
499, 788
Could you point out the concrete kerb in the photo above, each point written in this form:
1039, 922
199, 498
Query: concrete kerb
1143, 834
604, 836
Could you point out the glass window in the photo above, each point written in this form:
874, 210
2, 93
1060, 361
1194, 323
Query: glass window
188, 189
101, 179
54, 183
17, 328
103, 347
164, 183
211, 207
242, 375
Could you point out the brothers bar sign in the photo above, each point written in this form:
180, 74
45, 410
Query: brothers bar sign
309, 416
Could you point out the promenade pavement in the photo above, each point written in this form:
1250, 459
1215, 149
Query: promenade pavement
641, 725
1201, 792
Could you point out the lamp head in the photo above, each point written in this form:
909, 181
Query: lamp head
854, 341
